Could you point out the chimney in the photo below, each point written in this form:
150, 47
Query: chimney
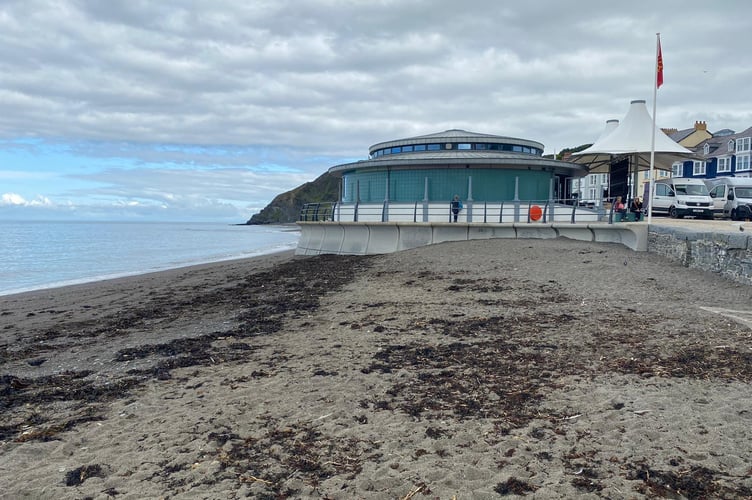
701, 125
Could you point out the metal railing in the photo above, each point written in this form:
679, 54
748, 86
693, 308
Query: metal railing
522, 211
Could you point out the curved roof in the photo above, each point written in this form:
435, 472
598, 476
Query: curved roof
456, 135
455, 158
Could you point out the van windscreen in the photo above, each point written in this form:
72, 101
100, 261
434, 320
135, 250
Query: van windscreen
692, 189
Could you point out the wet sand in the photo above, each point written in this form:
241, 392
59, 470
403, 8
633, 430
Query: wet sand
482, 369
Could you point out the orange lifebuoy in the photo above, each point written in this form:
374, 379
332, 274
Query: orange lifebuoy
535, 212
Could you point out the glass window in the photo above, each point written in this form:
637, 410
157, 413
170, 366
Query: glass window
742, 144
494, 147
387, 151
724, 164
480, 146
407, 149
731, 145
706, 148
698, 168
396, 150
517, 149
677, 170
742, 162
434, 147
463, 146
420, 147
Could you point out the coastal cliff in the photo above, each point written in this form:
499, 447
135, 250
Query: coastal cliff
285, 207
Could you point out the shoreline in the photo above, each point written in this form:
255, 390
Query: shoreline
129, 274
553, 368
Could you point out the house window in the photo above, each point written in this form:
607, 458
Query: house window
742, 144
706, 148
742, 162
730, 145
592, 180
724, 164
677, 169
698, 168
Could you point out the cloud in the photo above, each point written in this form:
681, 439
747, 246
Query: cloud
289, 88
13, 199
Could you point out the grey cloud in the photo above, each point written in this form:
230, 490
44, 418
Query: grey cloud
326, 78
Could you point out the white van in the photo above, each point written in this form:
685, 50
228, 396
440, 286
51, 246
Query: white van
732, 196
681, 196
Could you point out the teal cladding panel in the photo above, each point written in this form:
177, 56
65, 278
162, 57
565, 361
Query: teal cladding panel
409, 185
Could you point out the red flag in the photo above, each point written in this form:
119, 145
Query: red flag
659, 68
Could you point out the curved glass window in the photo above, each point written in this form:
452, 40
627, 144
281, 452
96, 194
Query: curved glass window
462, 146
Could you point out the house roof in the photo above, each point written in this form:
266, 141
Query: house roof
718, 144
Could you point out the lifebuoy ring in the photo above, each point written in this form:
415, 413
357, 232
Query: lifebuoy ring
536, 212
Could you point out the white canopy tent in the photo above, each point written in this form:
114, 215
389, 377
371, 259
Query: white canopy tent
632, 138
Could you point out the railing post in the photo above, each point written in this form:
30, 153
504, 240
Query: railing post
574, 209
501, 211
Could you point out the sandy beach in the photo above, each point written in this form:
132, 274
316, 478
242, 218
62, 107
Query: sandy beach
469, 370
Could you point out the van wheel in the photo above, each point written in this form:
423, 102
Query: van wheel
673, 213
733, 214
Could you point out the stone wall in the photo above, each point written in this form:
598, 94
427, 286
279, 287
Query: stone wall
728, 254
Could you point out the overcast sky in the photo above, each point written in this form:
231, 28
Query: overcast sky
207, 109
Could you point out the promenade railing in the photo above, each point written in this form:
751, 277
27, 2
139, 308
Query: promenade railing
522, 211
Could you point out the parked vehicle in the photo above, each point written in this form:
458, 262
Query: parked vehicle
732, 196
678, 197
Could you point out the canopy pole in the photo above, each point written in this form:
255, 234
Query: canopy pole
658, 62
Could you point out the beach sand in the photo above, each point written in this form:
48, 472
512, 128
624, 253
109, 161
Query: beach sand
469, 370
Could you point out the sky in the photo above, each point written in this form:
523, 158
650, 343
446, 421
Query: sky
205, 110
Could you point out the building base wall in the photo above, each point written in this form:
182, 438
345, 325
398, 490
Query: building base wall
362, 238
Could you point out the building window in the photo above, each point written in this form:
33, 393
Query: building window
724, 164
706, 149
677, 169
434, 147
698, 168
420, 147
407, 149
731, 145
742, 144
592, 179
463, 146
742, 162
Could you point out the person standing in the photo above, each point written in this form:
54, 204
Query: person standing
456, 206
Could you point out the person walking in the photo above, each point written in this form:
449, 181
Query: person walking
456, 206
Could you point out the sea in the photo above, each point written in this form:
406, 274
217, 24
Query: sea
36, 255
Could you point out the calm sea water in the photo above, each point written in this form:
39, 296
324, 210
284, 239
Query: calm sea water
36, 255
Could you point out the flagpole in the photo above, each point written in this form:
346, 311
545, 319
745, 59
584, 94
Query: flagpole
658, 67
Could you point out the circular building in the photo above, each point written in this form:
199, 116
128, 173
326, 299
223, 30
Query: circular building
436, 167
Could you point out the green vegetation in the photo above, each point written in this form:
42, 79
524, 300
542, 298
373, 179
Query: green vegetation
286, 207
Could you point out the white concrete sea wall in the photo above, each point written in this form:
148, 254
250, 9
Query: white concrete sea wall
366, 238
